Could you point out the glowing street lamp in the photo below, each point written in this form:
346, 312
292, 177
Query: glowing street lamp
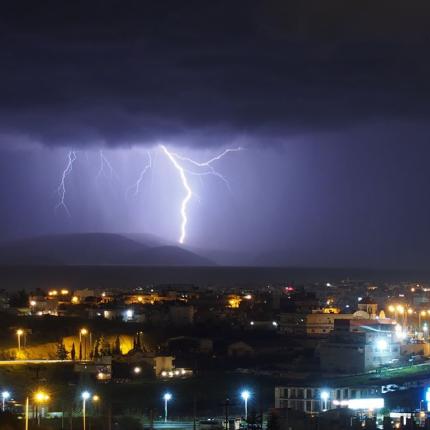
85, 396
325, 395
40, 397
83, 332
166, 397
19, 333
4, 396
245, 394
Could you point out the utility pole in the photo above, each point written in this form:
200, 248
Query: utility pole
226, 405
194, 412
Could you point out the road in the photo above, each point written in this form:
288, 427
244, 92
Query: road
19, 362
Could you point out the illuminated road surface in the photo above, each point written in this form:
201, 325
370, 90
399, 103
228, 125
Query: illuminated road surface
18, 362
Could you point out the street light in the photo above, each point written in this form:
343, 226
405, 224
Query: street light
19, 333
40, 397
325, 395
83, 332
166, 397
85, 396
4, 396
245, 394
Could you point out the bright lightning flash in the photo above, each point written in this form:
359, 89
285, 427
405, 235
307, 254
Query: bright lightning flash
205, 168
188, 195
61, 190
210, 170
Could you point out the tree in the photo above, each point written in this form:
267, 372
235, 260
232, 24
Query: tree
61, 351
19, 300
117, 346
73, 352
96, 349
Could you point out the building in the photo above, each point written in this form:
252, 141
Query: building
360, 345
181, 315
313, 400
317, 323
369, 306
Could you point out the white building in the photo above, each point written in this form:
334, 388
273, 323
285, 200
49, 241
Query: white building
357, 346
313, 400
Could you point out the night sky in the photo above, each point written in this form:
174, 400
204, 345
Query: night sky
329, 100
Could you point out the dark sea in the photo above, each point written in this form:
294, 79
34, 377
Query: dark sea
74, 277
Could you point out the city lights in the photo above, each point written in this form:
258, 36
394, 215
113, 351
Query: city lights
366, 404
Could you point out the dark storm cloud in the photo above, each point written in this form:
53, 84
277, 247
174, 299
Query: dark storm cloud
126, 72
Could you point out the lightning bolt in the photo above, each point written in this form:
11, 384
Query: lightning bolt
61, 190
208, 164
189, 193
210, 170
136, 185
104, 163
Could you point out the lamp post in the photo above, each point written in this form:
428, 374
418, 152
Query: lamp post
245, 394
19, 333
40, 397
27, 401
325, 395
4, 396
85, 397
166, 397
83, 332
